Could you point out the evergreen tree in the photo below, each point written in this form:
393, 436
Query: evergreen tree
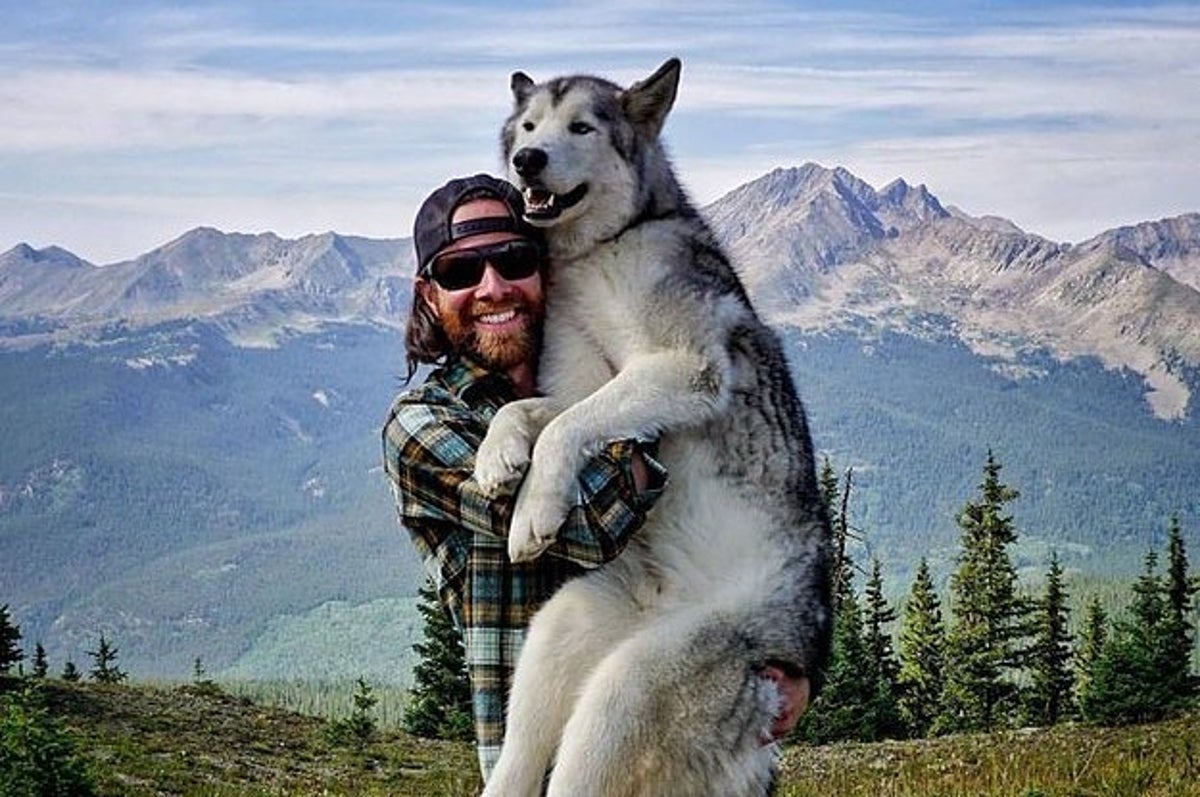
1092, 638
839, 523
40, 665
104, 664
881, 662
983, 643
359, 728
70, 672
828, 484
440, 702
10, 635
38, 754
843, 567
201, 683
1049, 695
845, 707
1131, 681
1180, 630
922, 645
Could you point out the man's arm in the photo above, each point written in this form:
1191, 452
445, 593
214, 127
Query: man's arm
429, 455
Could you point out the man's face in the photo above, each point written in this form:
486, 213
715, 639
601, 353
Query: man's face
498, 320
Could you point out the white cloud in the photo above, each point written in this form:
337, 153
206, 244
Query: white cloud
1064, 120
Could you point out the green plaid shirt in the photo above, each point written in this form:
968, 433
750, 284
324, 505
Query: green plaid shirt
429, 445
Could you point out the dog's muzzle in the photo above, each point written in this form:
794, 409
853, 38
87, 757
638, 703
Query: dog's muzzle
543, 205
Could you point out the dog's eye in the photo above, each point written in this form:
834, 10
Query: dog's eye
580, 128
527, 126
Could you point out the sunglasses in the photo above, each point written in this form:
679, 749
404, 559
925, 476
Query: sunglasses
463, 268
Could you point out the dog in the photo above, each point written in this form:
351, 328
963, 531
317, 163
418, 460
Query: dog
644, 677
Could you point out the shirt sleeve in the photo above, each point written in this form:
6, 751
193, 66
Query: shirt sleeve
429, 457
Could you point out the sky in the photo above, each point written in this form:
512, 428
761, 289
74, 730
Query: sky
125, 124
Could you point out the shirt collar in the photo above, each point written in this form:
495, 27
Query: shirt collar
465, 376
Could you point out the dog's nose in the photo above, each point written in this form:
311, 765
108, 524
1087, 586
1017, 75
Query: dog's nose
529, 161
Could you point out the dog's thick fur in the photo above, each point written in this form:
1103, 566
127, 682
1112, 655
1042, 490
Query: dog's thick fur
644, 677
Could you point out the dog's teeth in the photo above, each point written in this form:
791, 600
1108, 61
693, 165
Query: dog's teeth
537, 199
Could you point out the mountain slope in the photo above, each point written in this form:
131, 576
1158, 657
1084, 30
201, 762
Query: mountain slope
257, 286
820, 249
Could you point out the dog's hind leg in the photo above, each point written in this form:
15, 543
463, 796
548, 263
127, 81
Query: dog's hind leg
586, 618
678, 710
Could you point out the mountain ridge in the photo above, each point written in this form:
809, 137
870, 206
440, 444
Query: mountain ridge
840, 255
816, 247
191, 437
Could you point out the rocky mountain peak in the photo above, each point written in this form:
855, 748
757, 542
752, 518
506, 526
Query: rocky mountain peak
50, 256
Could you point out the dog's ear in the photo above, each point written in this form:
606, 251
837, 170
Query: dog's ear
648, 102
522, 85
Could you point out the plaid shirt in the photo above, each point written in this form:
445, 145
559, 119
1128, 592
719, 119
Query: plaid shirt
429, 445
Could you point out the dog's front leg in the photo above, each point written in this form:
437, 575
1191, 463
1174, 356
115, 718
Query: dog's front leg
504, 452
653, 393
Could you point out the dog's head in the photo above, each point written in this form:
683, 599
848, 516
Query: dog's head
586, 153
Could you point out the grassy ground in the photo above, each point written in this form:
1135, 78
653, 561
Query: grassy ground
143, 740
1160, 760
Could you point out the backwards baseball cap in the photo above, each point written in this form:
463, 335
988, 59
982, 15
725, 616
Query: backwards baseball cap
433, 232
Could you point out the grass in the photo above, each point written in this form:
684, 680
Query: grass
1158, 760
185, 740
148, 740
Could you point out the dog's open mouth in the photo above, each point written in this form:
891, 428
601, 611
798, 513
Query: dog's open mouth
543, 205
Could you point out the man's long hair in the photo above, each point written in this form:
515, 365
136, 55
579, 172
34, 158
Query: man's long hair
424, 339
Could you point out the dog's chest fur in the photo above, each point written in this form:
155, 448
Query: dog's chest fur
611, 303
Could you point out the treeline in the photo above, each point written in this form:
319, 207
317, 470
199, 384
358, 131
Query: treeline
989, 655
104, 668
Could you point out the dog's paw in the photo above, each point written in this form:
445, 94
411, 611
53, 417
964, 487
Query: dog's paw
501, 460
540, 510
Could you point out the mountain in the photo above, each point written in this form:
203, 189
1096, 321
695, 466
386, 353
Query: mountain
824, 250
254, 286
191, 437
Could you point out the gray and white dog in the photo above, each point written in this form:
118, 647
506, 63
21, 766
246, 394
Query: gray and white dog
645, 676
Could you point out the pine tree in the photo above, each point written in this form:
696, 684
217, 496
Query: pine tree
440, 704
921, 651
1092, 638
881, 659
104, 664
1180, 629
201, 683
983, 643
40, 665
359, 728
39, 755
828, 483
1049, 695
844, 709
70, 672
1131, 681
843, 567
10, 635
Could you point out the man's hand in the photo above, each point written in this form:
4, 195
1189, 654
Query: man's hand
793, 701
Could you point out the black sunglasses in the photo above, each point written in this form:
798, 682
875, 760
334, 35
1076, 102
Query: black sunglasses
463, 268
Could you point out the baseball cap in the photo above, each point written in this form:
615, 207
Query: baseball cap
433, 232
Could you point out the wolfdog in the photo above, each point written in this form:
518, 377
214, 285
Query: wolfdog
644, 677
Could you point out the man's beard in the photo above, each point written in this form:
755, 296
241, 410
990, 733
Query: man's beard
498, 351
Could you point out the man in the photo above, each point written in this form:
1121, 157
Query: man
478, 303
